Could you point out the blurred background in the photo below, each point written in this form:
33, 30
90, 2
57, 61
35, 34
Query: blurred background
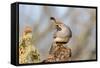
82, 22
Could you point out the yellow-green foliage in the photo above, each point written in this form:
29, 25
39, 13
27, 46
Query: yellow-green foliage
27, 51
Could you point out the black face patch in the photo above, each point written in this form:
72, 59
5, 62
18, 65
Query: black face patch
61, 42
58, 28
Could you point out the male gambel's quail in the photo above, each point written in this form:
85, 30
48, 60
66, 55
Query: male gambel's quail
58, 52
61, 36
63, 32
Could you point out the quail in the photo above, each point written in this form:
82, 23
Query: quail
61, 36
58, 52
63, 32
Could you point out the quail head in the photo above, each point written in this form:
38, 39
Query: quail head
63, 32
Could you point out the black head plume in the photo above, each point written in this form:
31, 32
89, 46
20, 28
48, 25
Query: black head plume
53, 19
